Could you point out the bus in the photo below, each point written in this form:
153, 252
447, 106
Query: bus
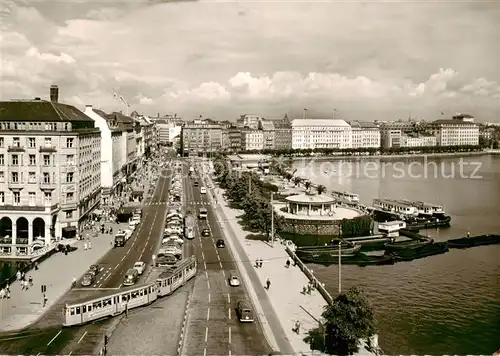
189, 227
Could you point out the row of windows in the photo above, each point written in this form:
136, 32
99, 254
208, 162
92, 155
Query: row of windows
16, 198
48, 126
47, 177
31, 142
47, 159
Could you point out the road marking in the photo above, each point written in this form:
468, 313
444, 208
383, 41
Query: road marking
70, 353
225, 281
229, 332
208, 314
205, 265
218, 257
229, 313
229, 352
204, 352
120, 286
229, 298
209, 297
206, 274
220, 264
55, 337
107, 277
202, 255
85, 333
206, 333
224, 274
123, 257
208, 283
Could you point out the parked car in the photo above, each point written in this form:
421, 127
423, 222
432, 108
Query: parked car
205, 232
234, 281
140, 267
220, 243
87, 280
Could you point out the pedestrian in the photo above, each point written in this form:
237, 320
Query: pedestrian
90, 245
30, 281
268, 283
85, 246
2, 293
18, 275
288, 263
45, 299
36, 266
297, 327
260, 263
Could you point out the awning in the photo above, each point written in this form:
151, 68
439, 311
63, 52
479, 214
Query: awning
69, 228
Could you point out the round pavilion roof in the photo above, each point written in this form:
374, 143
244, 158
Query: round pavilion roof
310, 199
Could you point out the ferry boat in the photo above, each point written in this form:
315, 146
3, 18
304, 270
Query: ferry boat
346, 197
425, 209
391, 228
395, 206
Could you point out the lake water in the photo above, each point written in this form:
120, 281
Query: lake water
446, 304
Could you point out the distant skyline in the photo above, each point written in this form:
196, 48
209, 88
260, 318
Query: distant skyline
368, 60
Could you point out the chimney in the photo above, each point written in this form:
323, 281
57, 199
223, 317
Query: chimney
54, 93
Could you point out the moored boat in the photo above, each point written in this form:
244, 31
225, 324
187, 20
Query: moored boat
431, 249
360, 259
408, 244
481, 240
346, 249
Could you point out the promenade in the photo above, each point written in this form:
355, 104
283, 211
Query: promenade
25, 307
285, 293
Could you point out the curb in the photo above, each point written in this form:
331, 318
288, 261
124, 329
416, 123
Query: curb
267, 331
184, 326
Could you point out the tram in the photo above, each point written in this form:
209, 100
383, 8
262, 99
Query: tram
113, 303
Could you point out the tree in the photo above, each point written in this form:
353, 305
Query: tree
321, 189
307, 185
348, 319
147, 152
297, 180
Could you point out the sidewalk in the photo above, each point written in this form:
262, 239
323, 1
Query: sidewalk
56, 272
285, 293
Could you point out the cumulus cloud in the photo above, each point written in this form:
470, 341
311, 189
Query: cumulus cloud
379, 60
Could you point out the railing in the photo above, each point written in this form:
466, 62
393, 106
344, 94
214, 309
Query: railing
48, 148
15, 148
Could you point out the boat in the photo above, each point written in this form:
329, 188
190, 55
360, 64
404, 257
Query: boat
346, 197
420, 223
408, 244
481, 240
368, 240
346, 248
360, 259
430, 249
425, 209
395, 207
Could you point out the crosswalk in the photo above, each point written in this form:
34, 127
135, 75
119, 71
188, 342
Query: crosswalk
200, 203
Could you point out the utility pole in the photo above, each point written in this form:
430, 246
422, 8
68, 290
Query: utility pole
340, 266
272, 221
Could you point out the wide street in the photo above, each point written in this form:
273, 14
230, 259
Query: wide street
212, 325
46, 336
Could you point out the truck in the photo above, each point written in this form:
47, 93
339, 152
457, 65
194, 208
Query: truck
189, 227
120, 238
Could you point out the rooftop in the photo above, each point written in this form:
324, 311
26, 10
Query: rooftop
319, 122
452, 122
363, 125
40, 110
248, 157
266, 125
310, 199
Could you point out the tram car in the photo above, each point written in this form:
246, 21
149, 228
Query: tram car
112, 303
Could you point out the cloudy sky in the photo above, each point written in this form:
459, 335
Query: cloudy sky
369, 60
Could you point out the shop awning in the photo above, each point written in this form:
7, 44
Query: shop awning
69, 228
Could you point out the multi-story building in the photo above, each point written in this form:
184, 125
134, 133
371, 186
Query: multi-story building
49, 173
252, 140
248, 121
418, 140
232, 139
282, 133
319, 133
365, 135
390, 138
459, 131
268, 134
118, 151
403, 126
200, 136
143, 136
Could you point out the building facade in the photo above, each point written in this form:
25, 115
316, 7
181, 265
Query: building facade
248, 121
365, 135
318, 134
390, 138
268, 134
252, 140
49, 173
459, 131
418, 140
199, 137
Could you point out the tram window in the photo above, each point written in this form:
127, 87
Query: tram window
135, 295
89, 307
125, 297
115, 299
84, 309
97, 305
141, 292
169, 281
72, 311
77, 310
107, 302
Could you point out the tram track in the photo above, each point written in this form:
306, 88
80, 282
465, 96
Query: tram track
46, 337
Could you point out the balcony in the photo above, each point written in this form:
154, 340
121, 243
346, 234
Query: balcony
16, 148
71, 205
16, 184
47, 185
48, 148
